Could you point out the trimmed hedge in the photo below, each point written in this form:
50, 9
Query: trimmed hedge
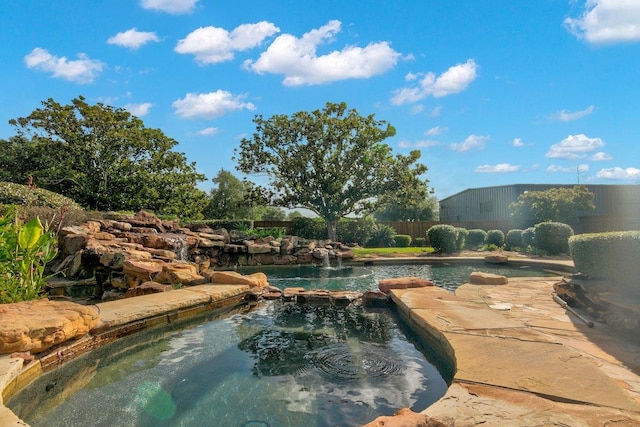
461, 239
552, 237
420, 242
475, 238
495, 237
220, 223
402, 240
443, 238
613, 256
513, 240
18, 194
527, 237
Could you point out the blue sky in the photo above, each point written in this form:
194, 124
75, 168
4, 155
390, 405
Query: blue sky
493, 92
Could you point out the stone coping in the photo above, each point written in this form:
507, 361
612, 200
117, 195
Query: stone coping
534, 361
522, 359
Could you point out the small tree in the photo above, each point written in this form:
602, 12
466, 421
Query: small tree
556, 204
331, 161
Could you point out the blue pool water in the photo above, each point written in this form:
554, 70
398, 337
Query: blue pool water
277, 364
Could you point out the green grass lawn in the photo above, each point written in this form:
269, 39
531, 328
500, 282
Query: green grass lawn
389, 252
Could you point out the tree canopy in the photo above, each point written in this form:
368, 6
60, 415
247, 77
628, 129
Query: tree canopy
230, 199
331, 161
560, 204
102, 157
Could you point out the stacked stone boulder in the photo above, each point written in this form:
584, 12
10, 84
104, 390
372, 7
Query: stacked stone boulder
125, 252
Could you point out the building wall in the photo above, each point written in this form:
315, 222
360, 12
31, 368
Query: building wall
616, 205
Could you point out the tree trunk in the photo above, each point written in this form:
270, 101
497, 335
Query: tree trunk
332, 226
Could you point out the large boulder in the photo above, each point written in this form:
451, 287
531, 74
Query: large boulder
385, 285
255, 280
35, 326
480, 278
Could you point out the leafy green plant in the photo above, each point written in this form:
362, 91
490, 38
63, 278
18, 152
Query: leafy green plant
513, 240
382, 236
475, 238
552, 237
443, 238
495, 237
461, 239
402, 240
25, 250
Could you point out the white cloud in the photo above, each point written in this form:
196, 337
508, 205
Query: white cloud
436, 112
574, 147
517, 142
133, 39
82, 70
211, 45
499, 168
565, 169
607, 21
628, 174
417, 109
568, 116
208, 131
297, 59
175, 7
456, 79
470, 143
600, 156
210, 105
418, 144
139, 110
437, 130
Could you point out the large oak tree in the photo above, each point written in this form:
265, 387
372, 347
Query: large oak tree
104, 158
331, 161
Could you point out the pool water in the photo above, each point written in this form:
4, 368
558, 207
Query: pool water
365, 278
277, 365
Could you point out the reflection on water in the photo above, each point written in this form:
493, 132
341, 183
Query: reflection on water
364, 278
279, 365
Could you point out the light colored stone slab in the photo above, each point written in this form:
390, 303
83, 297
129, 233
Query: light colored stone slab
219, 292
128, 310
545, 369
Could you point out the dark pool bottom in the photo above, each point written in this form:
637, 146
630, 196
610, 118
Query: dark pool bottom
277, 365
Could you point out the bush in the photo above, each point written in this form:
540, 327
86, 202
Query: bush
461, 239
220, 223
613, 256
552, 237
356, 231
419, 242
443, 238
513, 240
495, 238
309, 228
18, 194
475, 238
382, 237
25, 250
527, 237
402, 240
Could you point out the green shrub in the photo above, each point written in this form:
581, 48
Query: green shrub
402, 240
613, 256
461, 239
220, 223
513, 239
419, 242
18, 194
552, 237
309, 228
357, 231
382, 236
527, 237
494, 237
475, 238
25, 250
443, 238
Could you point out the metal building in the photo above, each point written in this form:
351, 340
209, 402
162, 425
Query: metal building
617, 206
